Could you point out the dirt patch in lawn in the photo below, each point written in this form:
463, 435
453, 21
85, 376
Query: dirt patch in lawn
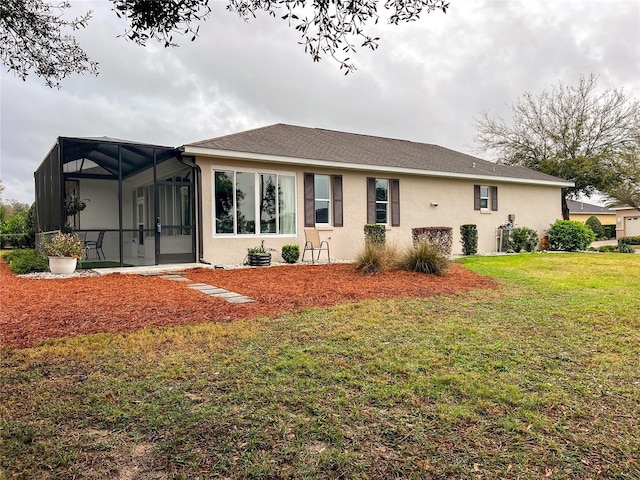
32, 310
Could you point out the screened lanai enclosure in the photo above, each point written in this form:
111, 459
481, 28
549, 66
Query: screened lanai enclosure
132, 203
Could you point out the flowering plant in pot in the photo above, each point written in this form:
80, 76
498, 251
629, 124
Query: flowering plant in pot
259, 256
63, 250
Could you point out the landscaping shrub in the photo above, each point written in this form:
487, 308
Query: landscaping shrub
523, 238
14, 231
290, 253
375, 233
607, 248
469, 234
570, 236
440, 236
594, 224
629, 241
626, 248
376, 257
609, 231
425, 257
26, 261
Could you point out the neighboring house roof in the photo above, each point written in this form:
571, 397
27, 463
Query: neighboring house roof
587, 208
316, 146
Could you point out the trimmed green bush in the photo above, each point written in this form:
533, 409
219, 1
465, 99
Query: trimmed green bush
523, 238
570, 236
26, 261
607, 248
376, 257
469, 240
375, 233
425, 257
594, 224
290, 253
609, 231
626, 248
629, 241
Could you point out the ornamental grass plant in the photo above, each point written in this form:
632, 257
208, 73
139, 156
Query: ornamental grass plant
377, 257
425, 257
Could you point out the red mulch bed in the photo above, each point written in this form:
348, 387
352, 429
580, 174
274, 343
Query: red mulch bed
32, 310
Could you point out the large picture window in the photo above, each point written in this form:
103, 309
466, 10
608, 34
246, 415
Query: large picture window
250, 203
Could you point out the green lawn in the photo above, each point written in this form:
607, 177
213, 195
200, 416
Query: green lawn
538, 379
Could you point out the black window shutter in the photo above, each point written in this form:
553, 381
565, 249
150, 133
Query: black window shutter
371, 200
395, 202
494, 199
336, 180
309, 200
476, 197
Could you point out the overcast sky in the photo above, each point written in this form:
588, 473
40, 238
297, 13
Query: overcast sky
427, 82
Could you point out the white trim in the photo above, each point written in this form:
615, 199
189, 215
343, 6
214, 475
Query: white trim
621, 208
255, 172
277, 159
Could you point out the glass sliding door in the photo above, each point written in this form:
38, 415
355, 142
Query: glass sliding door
175, 229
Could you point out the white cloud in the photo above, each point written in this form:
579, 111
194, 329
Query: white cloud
426, 82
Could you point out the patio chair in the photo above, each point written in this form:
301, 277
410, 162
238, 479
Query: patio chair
96, 245
312, 242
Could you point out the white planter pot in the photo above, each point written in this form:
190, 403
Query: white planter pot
62, 265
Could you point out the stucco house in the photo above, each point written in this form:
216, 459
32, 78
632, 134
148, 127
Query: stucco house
627, 221
211, 200
581, 211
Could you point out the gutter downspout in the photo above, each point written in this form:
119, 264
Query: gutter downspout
190, 163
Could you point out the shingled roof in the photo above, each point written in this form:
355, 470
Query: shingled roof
302, 145
583, 207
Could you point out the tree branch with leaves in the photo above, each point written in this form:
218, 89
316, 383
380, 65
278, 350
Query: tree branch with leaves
33, 38
574, 133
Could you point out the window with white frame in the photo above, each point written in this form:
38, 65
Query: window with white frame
484, 197
382, 201
253, 203
322, 188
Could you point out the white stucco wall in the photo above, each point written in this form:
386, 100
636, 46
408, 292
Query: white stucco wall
534, 206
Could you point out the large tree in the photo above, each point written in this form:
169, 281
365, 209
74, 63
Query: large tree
627, 190
571, 132
35, 36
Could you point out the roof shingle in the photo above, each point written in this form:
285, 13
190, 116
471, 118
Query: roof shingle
349, 148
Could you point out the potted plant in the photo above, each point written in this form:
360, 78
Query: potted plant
73, 204
63, 250
259, 256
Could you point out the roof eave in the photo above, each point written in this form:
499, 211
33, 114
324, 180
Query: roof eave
266, 158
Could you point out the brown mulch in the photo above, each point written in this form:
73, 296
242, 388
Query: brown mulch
32, 310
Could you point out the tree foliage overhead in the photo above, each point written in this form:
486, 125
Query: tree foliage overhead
574, 133
34, 34
34, 37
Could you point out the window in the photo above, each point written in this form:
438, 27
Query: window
250, 203
322, 200
383, 201
485, 198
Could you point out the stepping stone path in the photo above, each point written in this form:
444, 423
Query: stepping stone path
230, 297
